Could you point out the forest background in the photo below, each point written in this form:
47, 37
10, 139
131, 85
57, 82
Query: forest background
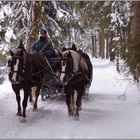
104, 29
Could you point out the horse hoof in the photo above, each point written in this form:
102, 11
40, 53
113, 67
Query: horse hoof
30, 100
80, 108
70, 114
76, 118
19, 114
34, 109
32, 103
23, 120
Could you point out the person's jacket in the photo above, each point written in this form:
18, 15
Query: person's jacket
42, 45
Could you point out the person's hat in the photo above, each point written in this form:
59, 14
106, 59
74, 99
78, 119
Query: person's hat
43, 30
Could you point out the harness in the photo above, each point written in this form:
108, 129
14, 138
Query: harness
44, 47
50, 68
20, 58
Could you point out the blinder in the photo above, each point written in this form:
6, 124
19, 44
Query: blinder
64, 76
65, 59
19, 72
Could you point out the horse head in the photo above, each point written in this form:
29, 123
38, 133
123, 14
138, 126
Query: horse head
16, 64
73, 67
66, 71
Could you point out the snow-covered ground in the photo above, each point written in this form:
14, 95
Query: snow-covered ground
112, 111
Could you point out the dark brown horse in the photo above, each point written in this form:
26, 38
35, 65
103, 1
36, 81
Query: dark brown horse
26, 70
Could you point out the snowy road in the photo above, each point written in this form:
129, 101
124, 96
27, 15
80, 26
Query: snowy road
104, 115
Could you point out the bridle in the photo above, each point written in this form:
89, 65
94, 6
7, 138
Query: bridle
64, 58
65, 74
68, 78
12, 71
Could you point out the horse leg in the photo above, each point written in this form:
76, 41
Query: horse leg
36, 98
68, 102
18, 103
78, 104
27, 92
86, 92
32, 95
73, 101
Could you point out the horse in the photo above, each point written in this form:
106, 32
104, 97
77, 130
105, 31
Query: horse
26, 71
89, 64
74, 77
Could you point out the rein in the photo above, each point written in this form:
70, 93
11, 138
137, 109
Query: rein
14, 71
19, 57
44, 69
34, 74
44, 47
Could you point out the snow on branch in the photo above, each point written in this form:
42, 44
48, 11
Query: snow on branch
9, 35
62, 13
54, 23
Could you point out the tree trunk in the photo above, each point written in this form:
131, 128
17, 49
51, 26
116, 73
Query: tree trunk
94, 51
101, 44
134, 47
95, 48
33, 24
107, 47
111, 47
